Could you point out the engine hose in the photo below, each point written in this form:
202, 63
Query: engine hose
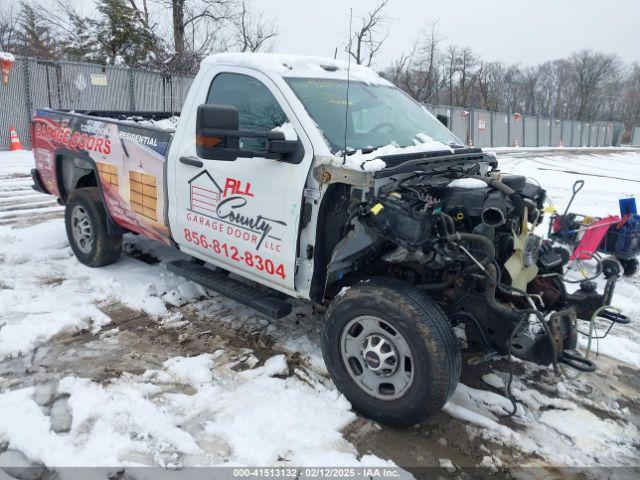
582, 270
494, 183
458, 237
508, 391
516, 199
490, 296
451, 225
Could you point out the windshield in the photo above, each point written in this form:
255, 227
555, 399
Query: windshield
379, 115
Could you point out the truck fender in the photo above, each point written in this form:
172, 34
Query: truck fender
76, 170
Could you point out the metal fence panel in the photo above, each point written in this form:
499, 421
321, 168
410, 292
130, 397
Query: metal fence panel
150, 91
460, 123
516, 131
555, 135
530, 132
608, 135
602, 131
179, 89
500, 129
593, 135
576, 133
482, 128
586, 135
635, 136
544, 132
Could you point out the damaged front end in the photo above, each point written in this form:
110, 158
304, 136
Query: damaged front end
466, 238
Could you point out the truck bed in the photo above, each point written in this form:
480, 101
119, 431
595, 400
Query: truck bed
127, 153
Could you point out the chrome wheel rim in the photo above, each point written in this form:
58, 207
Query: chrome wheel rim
377, 357
81, 229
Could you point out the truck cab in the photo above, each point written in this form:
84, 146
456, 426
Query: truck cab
255, 203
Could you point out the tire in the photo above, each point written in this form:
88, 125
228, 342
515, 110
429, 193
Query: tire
86, 224
630, 266
564, 253
610, 267
426, 333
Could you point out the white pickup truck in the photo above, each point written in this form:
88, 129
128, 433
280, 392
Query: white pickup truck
299, 177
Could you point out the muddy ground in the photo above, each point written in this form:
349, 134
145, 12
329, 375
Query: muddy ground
135, 342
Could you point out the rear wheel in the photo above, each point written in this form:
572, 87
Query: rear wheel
630, 266
86, 224
391, 351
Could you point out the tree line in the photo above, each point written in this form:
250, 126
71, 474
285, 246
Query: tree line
160, 35
174, 35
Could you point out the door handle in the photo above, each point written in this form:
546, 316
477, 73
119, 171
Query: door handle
193, 161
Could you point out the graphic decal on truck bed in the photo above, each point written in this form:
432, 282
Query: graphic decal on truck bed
227, 209
144, 194
130, 162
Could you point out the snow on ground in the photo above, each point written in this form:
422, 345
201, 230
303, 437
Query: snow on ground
202, 410
219, 404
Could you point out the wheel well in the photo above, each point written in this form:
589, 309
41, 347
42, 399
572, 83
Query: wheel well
74, 172
332, 217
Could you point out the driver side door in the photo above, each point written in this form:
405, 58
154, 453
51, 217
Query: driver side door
243, 215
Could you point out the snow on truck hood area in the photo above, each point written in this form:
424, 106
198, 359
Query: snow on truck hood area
67, 397
371, 161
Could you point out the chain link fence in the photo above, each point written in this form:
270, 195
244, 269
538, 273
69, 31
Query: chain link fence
35, 84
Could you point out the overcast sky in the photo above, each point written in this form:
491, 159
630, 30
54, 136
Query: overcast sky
513, 31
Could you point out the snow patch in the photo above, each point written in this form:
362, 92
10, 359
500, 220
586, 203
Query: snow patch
467, 183
6, 56
288, 130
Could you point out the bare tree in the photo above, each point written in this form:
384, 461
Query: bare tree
9, 26
450, 69
591, 71
196, 25
366, 42
418, 71
492, 86
253, 34
468, 70
531, 76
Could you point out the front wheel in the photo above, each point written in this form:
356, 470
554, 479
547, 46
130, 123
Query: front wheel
86, 224
391, 351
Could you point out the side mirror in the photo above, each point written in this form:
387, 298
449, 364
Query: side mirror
213, 124
218, 136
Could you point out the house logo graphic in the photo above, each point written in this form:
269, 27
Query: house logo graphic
233, 205
205, 194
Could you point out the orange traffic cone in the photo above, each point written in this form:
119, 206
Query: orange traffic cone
14, 141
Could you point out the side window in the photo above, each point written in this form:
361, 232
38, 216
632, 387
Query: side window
257, 107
